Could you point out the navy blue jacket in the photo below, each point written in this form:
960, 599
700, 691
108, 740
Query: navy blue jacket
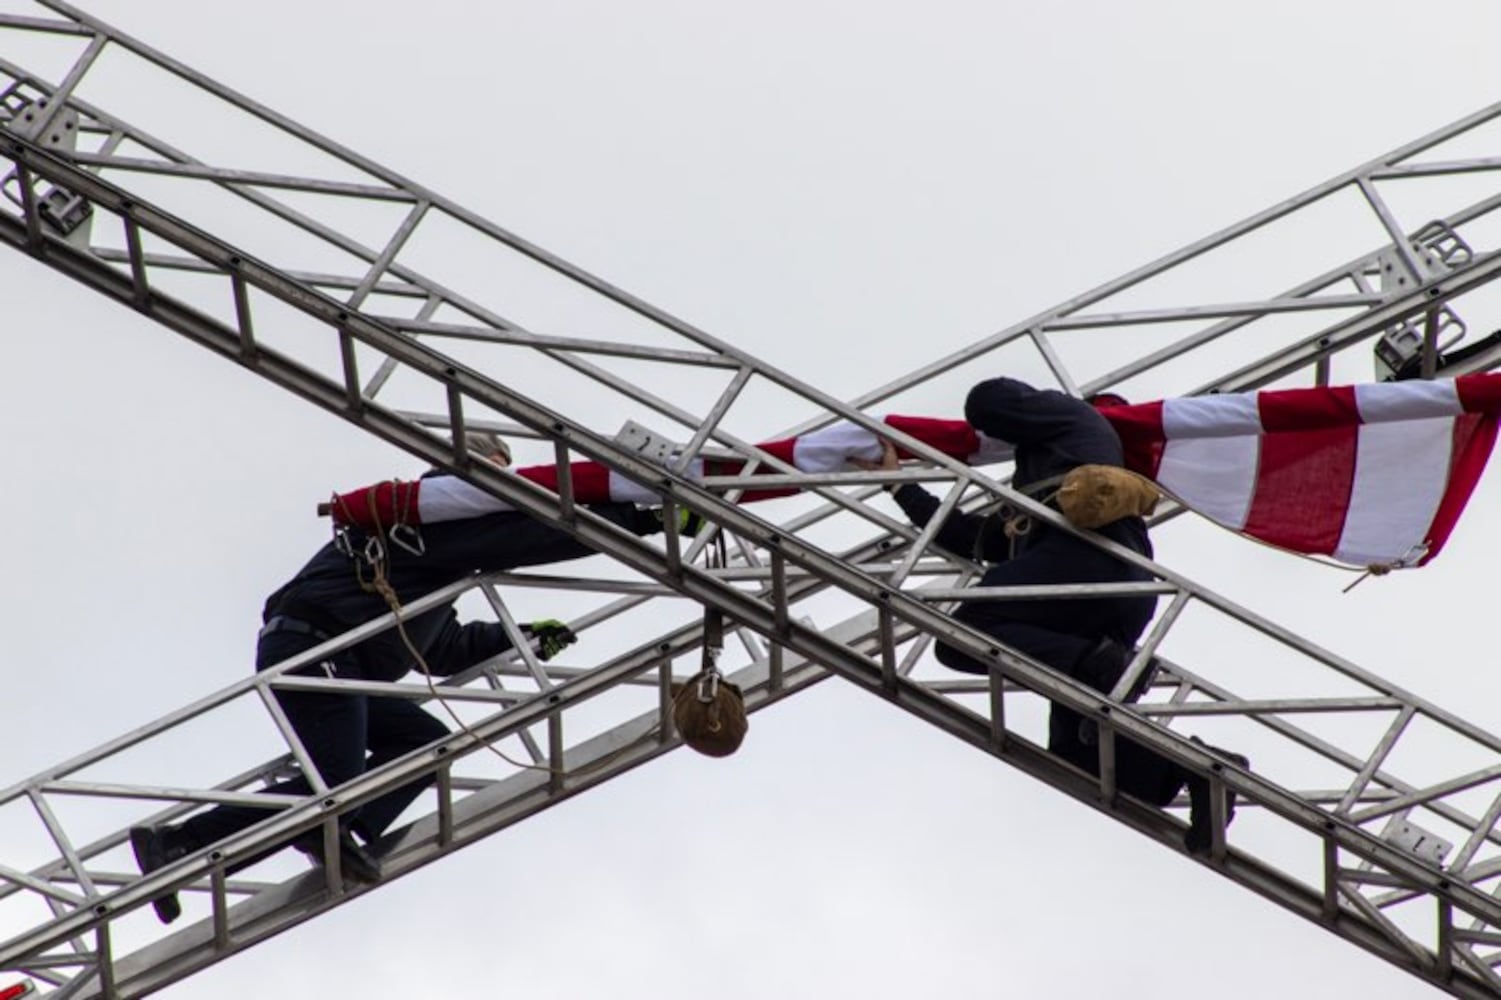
327, 593
1053, 432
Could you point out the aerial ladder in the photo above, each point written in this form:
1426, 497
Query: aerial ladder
251, 263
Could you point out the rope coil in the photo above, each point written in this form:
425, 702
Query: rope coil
375, 556
708, 710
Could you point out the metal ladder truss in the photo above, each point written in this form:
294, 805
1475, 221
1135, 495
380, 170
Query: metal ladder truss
287, 273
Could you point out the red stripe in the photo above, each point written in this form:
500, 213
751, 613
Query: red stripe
1303, 488
1474, 435
1304, 478
1479, 393
1141, 434
1305, 409
782, 449
378, 507
591, 481
952, 437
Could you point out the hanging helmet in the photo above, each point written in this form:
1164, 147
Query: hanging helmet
709, 713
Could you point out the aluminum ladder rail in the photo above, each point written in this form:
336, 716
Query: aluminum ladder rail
79, 948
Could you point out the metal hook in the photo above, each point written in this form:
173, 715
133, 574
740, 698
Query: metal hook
416, 546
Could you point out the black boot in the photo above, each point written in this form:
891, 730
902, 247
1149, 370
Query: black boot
156, 847
1200, 836
1144, 681
356, 863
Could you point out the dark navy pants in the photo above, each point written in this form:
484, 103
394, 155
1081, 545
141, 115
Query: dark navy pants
1059, 633
345, 734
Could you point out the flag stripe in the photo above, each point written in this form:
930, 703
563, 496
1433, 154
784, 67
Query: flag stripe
1474, 437
952, 437
1214, 476
827, 450
1141, 434
1210, 416
1479, 393
1384, 401
1401, 469
1303, 488
1306, 409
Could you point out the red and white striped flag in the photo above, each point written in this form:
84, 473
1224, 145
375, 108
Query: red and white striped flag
829, 449
1372, 475
1368, 475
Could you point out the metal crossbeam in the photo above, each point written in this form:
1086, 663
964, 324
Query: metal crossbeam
334, 333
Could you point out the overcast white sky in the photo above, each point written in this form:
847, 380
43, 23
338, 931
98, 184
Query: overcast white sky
847, 190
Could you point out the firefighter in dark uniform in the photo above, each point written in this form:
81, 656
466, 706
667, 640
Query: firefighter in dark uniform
345, 734
1089, 639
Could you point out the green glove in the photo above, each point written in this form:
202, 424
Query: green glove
688, 522
552, 637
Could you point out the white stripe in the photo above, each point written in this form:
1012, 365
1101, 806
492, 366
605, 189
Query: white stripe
1214, 476
991, 450
623, 490
828, 449
449, 498
1211, 416
1418, 400
1401, 472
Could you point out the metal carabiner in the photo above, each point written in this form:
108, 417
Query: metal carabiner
708, 686
416, 546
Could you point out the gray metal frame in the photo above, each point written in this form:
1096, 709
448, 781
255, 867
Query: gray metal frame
385, 346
